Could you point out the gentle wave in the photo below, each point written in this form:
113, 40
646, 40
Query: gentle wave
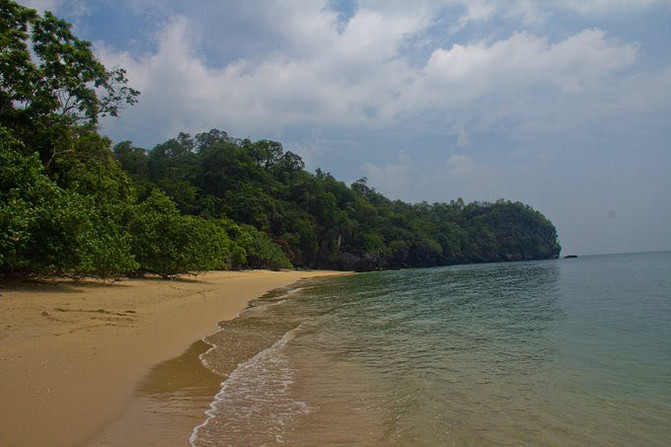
253, 405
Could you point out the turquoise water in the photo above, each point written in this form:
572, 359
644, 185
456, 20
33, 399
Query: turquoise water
563, 352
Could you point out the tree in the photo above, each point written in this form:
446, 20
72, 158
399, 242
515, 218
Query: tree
265, 153
59, 76
167, 243
62, 196
134, 161
253, 248
47, 229
51, 81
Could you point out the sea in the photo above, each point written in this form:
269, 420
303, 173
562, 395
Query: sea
565, 352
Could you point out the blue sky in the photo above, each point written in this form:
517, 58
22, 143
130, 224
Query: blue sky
564, 105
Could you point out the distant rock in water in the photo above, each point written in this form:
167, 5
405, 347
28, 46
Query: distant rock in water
570, 256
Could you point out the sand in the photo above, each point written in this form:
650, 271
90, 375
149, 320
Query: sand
73, 354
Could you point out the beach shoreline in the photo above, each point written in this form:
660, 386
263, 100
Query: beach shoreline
73, 353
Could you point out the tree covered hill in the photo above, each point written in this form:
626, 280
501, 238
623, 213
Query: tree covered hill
72, 203
321, 222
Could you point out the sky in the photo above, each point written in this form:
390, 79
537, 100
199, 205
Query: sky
564, 105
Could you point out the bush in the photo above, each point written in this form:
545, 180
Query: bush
167, 243
45, 229
254, 248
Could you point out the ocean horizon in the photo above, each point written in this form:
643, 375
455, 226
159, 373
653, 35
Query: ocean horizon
557, 352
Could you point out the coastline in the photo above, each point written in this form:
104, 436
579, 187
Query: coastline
73, 354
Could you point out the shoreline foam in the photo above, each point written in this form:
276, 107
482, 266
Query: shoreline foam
72, 354
228, 394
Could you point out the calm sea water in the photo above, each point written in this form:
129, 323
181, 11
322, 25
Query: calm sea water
563, 352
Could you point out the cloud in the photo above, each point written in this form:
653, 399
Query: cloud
357, 75
537, 11
525, 87
448, 174
600, 6
476, 11
322, 74
521, 63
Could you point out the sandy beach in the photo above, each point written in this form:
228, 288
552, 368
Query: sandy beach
73, 354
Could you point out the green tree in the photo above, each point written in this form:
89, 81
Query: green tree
254, 248
320, 222
48, 74
47, 229
167, 243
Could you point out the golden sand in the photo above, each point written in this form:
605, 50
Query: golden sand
72, 354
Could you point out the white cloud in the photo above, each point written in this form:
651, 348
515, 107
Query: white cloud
461, 166
520, 63
525, 83
537, 13
323, 75
356, 76
447, 175
527, 10
476, 11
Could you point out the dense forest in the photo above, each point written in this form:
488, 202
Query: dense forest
73, 203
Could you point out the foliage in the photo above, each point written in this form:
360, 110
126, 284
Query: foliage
253, 248
321, 222
48, 73
47, 229
166, 242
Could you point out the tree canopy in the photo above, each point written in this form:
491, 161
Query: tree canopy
48, 74
321, 222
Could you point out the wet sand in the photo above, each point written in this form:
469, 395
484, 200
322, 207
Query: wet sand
72, 354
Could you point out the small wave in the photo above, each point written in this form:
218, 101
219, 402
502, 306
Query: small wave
254, 404
255, 308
